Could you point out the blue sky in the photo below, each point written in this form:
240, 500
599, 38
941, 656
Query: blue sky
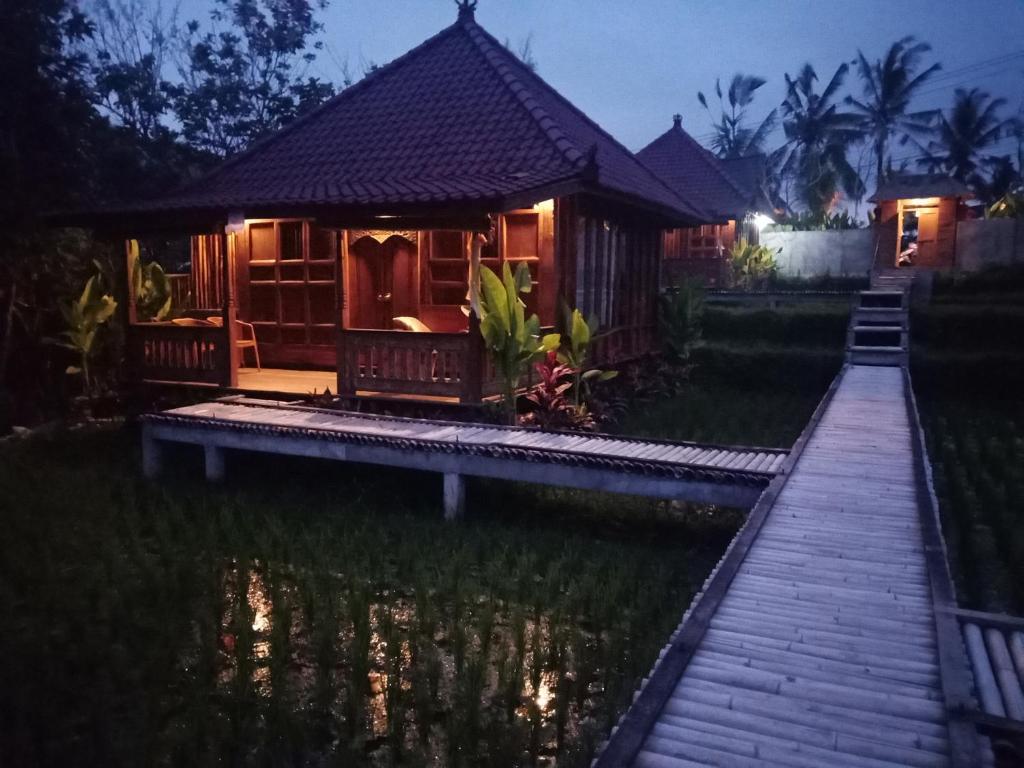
631, 65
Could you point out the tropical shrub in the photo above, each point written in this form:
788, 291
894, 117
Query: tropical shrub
810, 221
150, 286
752, 266
85, 316
579, 334
680, 317
1009, 206
552, 408
513, 340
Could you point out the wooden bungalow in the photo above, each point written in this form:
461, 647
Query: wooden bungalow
731, 192
916, 220
341, 247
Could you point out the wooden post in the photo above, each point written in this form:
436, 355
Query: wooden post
229, 313
473, 363
454, 495
345, 381
152, 455
214, 459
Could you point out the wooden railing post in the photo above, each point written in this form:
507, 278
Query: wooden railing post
472, 363
229, 353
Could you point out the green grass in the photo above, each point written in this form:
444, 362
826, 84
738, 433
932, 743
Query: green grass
719, 412
314, 613
968, 367
976, 446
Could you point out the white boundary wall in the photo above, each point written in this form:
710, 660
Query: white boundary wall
980, 243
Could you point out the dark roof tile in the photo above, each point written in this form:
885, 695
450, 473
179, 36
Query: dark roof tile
458, 117
695, 174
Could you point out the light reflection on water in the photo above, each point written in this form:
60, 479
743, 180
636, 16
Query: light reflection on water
391, 622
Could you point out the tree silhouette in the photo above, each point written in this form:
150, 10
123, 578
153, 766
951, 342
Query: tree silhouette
961, 137
889, 86
817, 138
733, 138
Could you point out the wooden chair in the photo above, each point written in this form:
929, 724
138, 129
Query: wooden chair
241, 342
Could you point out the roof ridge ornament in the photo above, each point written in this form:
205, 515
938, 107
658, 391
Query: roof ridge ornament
466, 9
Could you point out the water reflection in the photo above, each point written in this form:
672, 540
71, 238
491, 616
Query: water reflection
408, 677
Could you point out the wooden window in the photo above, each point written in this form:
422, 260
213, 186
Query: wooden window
291, 283
447, 268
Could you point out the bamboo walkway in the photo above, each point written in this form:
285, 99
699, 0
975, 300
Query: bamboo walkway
827, 635
823, 650
725, 475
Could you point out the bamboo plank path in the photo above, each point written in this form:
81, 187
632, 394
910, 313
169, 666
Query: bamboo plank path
822, 649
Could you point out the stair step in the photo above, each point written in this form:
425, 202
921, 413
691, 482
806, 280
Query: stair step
878, 329
864, 348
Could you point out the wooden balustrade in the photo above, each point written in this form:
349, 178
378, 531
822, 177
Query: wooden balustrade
168, 352
402, 362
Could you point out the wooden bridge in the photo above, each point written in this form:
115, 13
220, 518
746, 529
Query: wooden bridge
829, 632
712, 474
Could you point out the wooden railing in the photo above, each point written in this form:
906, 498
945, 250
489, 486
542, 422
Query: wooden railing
168, 352
181, 291
402, 362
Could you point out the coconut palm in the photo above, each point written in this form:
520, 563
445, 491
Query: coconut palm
961, 138
733, 138
818, 136
889, 86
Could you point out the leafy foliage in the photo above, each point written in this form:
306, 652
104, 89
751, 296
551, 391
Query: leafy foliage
552, 407
245, 76
809, 221
150, 286
733, 137
680, 318
512, 339
818, 136
971, 127
575, 351
1009, 206
889, 85
752, 266
85, 316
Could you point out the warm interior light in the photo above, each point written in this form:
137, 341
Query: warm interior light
914, 202
544, 205
762, 220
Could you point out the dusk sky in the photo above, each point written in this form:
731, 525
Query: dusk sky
631, 65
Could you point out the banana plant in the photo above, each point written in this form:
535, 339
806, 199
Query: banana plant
580, 333
513, 340
752, 265
150, 286
680, 315
84, 317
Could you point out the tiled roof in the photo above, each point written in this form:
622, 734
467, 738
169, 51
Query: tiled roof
695, 174
904, 185
458, 118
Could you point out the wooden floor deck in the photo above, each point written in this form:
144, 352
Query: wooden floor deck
724, 475
822, 649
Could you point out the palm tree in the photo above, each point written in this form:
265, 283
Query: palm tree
889, 87
733, 138
961, 138
818, 136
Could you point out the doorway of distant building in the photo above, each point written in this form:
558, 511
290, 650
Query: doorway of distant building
918, 232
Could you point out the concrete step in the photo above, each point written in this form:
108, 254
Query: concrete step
882, 298
868, 355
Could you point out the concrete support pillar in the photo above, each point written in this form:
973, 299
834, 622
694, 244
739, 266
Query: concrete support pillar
214, 456
454, 495
152, 455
